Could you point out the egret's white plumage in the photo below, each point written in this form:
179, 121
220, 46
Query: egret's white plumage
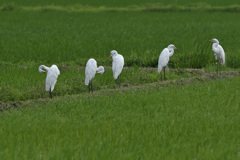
218, 51
91, 69
117, 64
164, 56
52, 75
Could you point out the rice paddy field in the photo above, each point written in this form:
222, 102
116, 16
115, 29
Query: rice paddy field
194, 114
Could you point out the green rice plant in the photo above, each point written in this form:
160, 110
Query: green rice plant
177, 122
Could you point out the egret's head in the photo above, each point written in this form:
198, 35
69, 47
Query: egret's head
214, 40
112, 53
100, 70
171, 46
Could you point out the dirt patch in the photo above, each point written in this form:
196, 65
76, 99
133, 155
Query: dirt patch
10, 105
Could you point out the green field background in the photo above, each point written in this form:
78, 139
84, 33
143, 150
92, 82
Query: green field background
72, 38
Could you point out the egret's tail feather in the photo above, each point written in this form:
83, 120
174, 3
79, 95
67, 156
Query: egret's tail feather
115, 75
223, 61
86, 81
160, 68
52, 88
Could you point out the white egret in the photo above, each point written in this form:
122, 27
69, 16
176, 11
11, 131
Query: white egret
117, 64
90, 71
52, 75
164, 58
219, 52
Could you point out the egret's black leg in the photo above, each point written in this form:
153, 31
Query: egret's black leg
164, 73
118, 81
91, 86
50, 93
220, 68
217, 67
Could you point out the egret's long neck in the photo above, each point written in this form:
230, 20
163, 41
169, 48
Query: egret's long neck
100, 70
171, 51
40, 69
114, 55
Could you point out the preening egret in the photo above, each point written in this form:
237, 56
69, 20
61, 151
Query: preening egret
52, 75
164, 58
117, 64
219, 52
90, 71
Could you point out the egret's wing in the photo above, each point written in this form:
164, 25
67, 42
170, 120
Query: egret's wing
221, 54
113, 66
90, 70
117, 66
216, 56
52, 76
163, 59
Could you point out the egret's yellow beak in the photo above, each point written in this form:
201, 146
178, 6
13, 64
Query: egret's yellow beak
210, 40
108, 57
176, 48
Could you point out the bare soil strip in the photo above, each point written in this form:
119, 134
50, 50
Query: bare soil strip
205, 77
190, 70
146, 8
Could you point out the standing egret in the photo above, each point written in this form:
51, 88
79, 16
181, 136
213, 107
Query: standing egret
90, 71
164, 58
219, 52
52, 75
117, 64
